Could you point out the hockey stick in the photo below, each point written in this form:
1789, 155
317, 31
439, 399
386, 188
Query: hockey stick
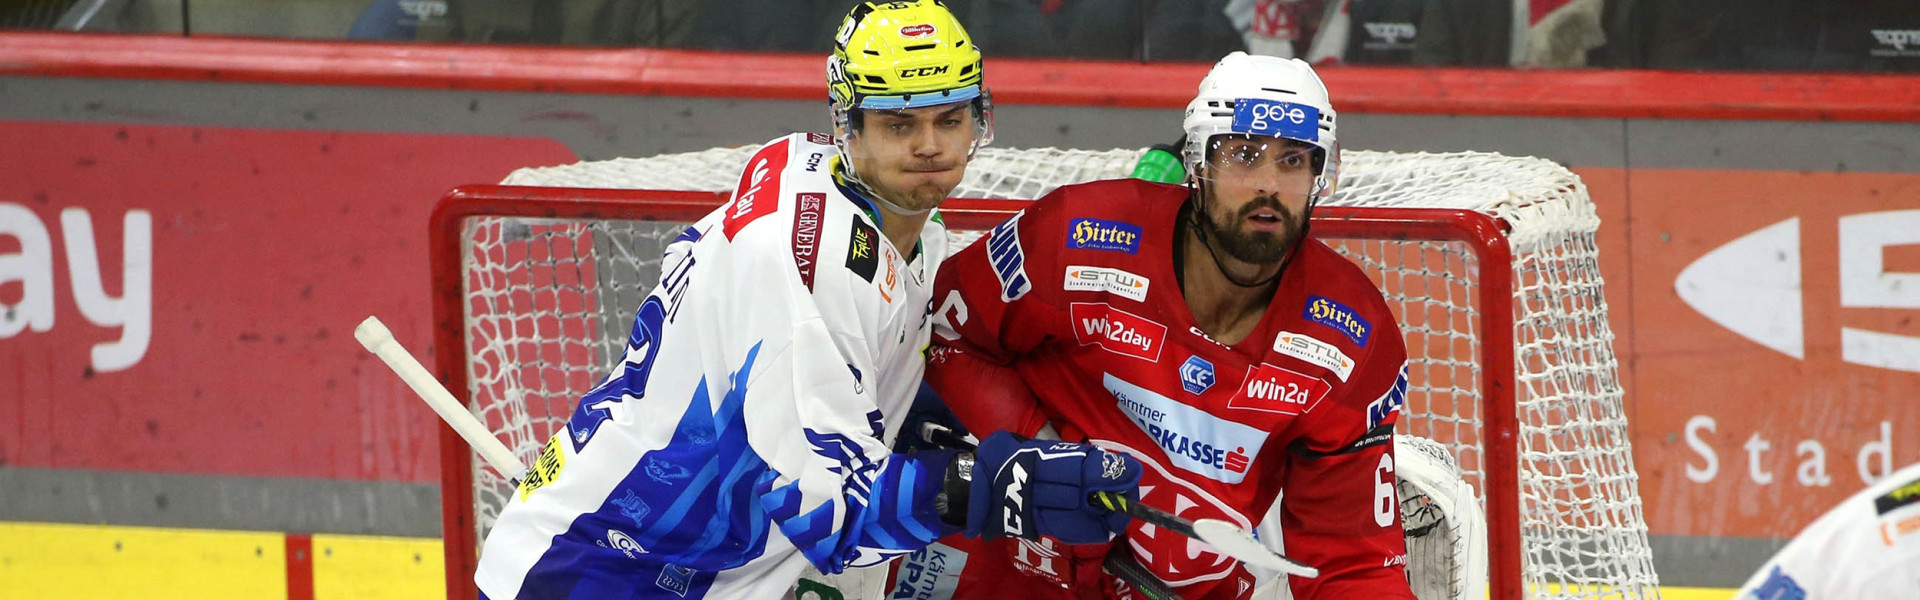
1120, 563
1226, 537
378, 340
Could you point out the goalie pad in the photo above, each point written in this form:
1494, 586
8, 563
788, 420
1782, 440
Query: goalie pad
1445, 528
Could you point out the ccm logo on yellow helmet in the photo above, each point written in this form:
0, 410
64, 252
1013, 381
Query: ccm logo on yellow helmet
923, 72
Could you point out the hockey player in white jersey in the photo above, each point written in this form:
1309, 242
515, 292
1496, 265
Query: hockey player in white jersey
1867, 548
746, 432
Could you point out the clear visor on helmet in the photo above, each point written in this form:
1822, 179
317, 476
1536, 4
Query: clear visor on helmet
910, 156
1261, 164
880, 118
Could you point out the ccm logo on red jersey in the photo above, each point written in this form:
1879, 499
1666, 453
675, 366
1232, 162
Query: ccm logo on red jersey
1280, 390
758, 194
1117, 331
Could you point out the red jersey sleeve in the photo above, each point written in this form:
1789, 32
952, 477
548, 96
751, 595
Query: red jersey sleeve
1341, 510
982, 294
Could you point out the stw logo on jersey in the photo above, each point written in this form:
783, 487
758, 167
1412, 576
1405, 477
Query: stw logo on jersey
758, 194
1117, 331
1280, 390
1101, 279
1314, 351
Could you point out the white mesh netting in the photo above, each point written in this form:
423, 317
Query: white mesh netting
549, 303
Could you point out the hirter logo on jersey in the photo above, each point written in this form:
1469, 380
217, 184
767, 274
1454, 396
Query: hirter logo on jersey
1117, 331
758, 194
1280, 390
1097, 234
1342, 319
1193, 439
1009, 260
806, 234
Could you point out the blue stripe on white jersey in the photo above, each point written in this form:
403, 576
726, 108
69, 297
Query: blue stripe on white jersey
888, 525
663, 500
689, 505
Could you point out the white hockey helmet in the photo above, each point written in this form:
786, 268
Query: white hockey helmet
1264, 96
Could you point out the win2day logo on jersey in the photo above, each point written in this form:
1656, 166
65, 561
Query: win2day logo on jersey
1117, 331
758, 193
1279, 390
1194, 440
1099, 234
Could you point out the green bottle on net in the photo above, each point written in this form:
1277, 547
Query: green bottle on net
1159, 165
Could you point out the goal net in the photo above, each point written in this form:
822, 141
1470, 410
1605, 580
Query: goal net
1489, 262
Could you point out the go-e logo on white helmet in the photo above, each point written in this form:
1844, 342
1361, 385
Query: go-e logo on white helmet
1258, 116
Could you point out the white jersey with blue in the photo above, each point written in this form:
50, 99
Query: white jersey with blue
746, 432
1867, 548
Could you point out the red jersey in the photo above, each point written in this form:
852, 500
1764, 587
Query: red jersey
1077, 294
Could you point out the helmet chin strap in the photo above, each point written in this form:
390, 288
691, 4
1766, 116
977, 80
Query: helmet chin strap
889, 206
1203, 227
854, 181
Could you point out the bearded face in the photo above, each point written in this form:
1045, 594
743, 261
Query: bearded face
1261, 231
1256, 190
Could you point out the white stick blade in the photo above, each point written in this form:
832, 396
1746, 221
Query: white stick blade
1233, 541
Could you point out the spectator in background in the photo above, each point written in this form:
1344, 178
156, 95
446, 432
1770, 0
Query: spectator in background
1108, 29
400, 19
1839, 35
1192, 31
1421, 32
650, 23
1465, 33
1280, 28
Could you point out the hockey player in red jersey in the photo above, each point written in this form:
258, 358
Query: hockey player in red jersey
1202, 330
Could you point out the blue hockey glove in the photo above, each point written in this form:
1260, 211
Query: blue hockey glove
1028, 488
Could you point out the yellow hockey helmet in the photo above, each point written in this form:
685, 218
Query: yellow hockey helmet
901, 55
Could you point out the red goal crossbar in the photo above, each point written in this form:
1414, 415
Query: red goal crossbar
1483, 235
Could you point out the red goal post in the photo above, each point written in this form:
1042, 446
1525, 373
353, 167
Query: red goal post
1490, 263
451, 239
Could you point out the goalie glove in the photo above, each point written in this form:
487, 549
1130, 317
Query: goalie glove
1028, 488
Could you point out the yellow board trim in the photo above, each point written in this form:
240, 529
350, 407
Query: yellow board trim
96, 561
86, 562
358, 567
